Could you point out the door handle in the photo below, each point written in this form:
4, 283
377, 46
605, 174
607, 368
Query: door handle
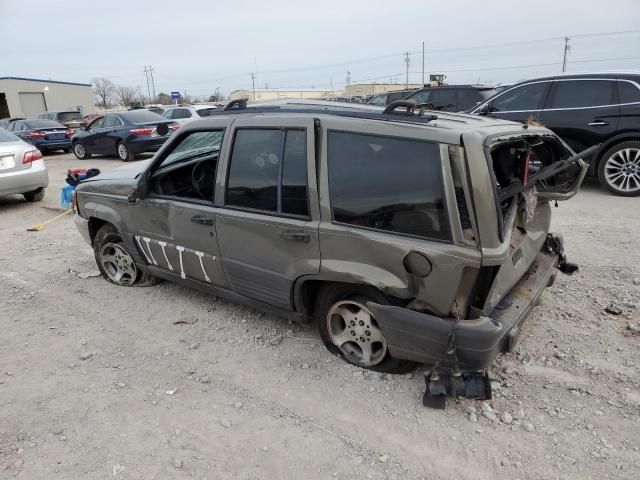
597, 123
202, 220
296, 235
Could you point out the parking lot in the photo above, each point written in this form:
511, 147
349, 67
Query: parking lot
163, 382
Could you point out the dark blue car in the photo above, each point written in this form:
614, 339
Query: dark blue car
45, 135
124, 134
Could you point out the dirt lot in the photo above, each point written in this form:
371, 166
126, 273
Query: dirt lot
96, 381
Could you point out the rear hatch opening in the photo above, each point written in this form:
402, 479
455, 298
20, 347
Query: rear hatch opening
528, 171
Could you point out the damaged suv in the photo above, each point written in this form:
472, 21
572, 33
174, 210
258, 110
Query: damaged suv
407, 236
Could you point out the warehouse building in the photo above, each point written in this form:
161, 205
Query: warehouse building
29, 97
262, 95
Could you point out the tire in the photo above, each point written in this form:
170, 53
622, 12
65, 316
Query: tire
114, 261
619, 169
35, 195
80, 151
334, 329
124, 153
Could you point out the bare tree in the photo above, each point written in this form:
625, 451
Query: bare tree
103, 88
126, 95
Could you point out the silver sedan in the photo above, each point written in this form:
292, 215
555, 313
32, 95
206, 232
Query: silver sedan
22, 169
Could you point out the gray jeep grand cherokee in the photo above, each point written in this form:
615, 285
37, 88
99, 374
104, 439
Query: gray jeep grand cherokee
407, 236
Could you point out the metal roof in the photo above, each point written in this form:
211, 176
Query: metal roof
46, 81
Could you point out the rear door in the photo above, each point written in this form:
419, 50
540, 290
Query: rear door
583, 112
268, 220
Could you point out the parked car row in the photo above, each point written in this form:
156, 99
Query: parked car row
45, 135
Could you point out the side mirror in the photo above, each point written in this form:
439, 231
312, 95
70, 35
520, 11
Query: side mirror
484, 110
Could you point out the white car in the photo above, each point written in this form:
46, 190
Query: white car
188, 113
22, 169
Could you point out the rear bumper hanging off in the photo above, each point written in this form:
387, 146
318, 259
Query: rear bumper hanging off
424, 338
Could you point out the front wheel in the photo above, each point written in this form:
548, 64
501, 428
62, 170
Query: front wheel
124, 153
350, 330
619, 169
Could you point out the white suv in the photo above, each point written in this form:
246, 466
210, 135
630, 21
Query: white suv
185, 114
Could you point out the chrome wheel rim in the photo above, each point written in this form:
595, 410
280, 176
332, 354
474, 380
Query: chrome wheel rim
355, 332
122, 151
79, 150
118, 264
622, 170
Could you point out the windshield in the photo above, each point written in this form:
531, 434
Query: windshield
44, 124
195, 145
7, 136
142, 116
69, 116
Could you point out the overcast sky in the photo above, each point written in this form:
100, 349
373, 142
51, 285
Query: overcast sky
198, 45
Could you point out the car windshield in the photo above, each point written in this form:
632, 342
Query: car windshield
142, 116
205, 112
195, 145
7, 136
44, 124
69, 116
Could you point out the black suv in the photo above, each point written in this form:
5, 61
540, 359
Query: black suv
584, 109
452, 98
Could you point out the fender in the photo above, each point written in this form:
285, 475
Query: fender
620, 137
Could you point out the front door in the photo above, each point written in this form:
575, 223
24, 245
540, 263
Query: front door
583, 112
174, 225
268, 224
521, 103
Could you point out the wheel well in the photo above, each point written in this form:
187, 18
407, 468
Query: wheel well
95, 224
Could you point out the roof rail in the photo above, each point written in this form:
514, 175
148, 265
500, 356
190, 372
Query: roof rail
237, 104
410, 106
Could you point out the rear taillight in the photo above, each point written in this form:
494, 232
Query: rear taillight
69, 133
174, 126
31, 156
141, 131
34, 135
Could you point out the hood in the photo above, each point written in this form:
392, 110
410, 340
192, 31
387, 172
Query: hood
126, 172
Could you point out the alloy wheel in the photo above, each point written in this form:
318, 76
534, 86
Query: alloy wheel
123, 153
622, 170
79, 150
118, 264
353, 329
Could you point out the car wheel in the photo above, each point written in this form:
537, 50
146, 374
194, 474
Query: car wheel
35, 195
619, 169
349, 329
124, 153
80, 151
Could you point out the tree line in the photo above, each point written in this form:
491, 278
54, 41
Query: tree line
107, 93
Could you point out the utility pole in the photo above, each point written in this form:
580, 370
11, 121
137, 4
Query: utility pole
407, 60
253, 85
567, 49
348, 78
146, 74
217, 94
153, 85
423, 64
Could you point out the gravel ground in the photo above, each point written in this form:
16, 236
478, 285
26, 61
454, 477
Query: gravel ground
97, 381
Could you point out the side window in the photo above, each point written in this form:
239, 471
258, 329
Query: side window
194, 145
181, 113
268, 171
97, 124
389, 184
629, 93
168, 114
526, 97
110, 121
378, 100
468, 97
422, 97
444, 100
583, 93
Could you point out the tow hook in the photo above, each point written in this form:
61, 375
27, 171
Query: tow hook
440, 385
555, 244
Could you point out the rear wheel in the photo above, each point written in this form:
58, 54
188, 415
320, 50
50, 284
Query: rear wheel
80, 151
619, 169
350, 330
124, 153
35, 195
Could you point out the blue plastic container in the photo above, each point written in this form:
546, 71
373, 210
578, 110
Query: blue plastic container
66, 196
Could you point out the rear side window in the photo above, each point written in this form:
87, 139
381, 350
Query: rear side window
205, 112
444, 99
389, 184
526, 97
268, 171
629, 93
468, 97
583, 93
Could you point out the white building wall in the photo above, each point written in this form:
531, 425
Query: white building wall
57, 96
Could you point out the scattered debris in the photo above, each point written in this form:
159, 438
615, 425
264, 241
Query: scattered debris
225, 422
189, 320
171, 392
177, 463
85, 355
277, 340
613, 309
85, 275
